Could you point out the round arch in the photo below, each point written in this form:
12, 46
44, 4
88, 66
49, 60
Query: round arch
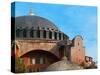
40, 57
32, 52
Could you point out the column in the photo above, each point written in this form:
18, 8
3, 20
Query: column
61, 36
53, 35
57, 35
47, 34
41, 33
28, 33
31, 33
35, 33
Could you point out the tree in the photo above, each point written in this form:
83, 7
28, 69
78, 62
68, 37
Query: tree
19, 65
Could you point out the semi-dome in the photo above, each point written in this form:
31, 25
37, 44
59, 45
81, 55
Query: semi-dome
63, 65
34, 22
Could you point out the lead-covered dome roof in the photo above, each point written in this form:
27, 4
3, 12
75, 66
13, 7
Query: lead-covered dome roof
36, 27
34, 22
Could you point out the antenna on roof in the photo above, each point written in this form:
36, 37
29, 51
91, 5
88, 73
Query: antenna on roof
30, 11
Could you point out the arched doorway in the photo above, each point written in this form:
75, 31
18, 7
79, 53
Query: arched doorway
38, 60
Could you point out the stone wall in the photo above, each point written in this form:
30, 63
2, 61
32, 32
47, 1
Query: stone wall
77, 51
30, 45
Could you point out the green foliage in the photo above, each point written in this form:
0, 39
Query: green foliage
19, 65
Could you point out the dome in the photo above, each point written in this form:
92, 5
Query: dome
63, 65
36, 27
34, 22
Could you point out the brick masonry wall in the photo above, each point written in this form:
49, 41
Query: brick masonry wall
30, 45
77, 51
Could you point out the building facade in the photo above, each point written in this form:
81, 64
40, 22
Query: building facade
38, 43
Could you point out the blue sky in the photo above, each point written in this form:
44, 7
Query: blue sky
71, 19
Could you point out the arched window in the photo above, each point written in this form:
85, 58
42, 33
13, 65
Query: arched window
38, 33
32, 61
44, 34
18, 33
55, 35
59, 36
32, 33
78, 43
40, 60
63, 37
24, 33
50, 34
